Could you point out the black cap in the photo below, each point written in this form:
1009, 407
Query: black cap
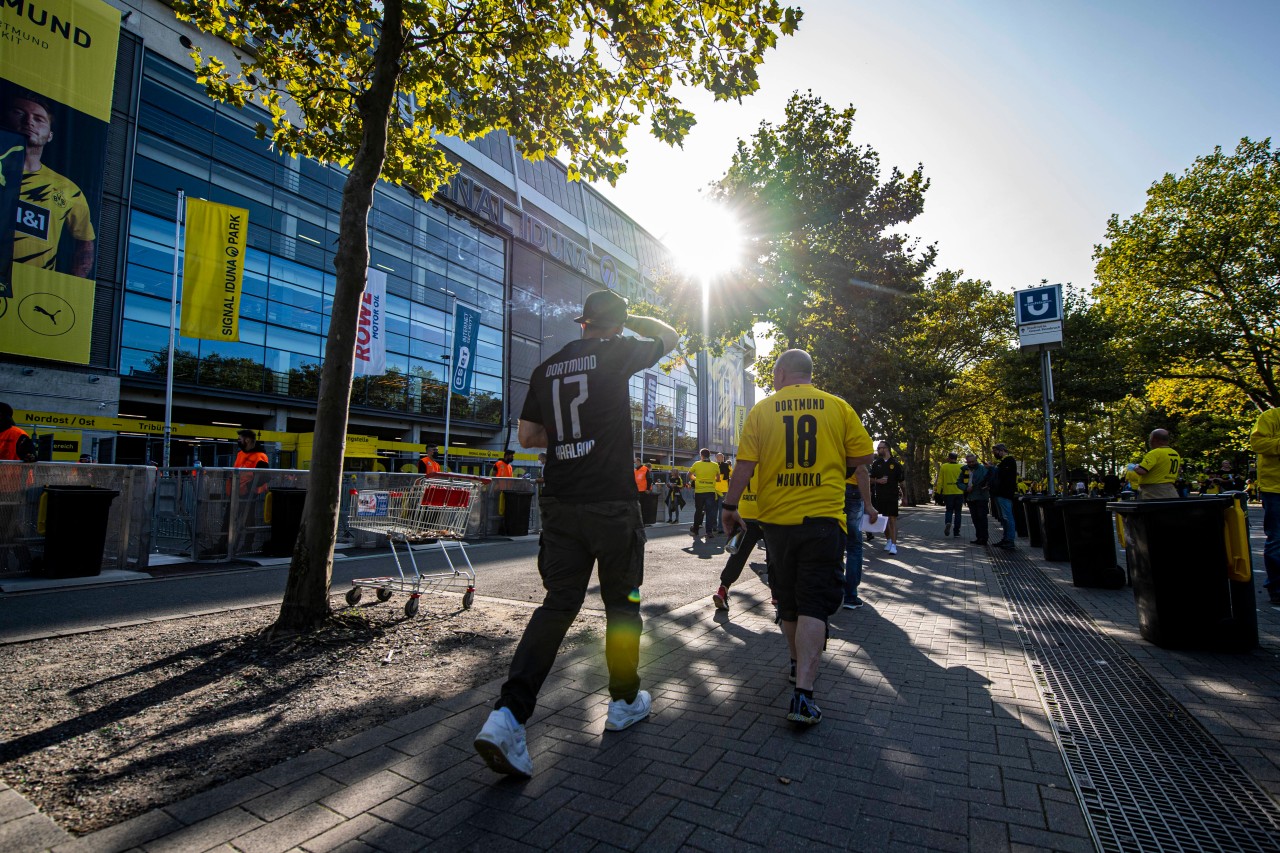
604, 308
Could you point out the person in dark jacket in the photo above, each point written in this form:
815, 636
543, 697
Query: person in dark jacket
1005, 489
977, 493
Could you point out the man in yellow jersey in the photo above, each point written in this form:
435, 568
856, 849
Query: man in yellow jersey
800, 444
722, 488
1155, 475
1265, 441
47, 202
703, 476
948, 485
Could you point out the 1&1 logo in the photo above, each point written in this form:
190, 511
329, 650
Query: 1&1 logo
46, 314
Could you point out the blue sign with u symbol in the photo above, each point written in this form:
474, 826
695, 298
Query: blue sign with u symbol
1038, 305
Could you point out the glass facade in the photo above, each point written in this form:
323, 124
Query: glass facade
210, 150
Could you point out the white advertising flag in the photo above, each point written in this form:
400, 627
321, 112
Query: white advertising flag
371, 333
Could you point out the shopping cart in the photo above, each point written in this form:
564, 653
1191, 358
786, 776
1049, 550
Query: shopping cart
432, 510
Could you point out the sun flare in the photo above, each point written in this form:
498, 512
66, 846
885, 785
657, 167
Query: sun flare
706, 241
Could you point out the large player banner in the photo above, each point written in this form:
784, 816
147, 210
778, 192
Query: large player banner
57, 71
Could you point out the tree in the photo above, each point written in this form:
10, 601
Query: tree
368, 85
1194, 278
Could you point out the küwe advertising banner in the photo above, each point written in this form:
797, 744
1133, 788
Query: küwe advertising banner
371, 333
57, 70
650, 401
213, 270
466, 334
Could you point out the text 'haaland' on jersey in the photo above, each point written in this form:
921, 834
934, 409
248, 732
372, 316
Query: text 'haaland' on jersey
574, 449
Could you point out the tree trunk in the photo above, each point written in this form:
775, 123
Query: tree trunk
306, 596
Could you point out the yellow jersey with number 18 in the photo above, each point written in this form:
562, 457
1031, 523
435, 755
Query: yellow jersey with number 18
800, 438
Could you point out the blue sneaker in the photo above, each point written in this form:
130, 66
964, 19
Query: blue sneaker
804, 710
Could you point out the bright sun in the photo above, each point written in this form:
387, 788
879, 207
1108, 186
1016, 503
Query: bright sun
706, 241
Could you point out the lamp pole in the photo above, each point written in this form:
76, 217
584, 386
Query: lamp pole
173, 324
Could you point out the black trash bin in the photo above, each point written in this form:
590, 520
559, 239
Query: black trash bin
75, 531
1019, 516
1091, 543
648, 508
1032, 519
516, 507
284, 514
1179, 564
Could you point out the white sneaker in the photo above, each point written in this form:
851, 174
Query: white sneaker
502, 746
893, 547
624, 714
888, 546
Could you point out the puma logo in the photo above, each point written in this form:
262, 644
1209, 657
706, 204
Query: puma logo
53, 316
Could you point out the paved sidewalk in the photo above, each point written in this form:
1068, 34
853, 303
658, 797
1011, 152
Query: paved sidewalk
934, 737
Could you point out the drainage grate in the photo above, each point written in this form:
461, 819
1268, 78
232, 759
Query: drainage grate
1149, 776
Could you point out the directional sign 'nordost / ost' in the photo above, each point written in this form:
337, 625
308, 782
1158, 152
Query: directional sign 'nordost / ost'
1038, 312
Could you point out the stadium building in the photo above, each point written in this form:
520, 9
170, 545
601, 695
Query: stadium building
510, 238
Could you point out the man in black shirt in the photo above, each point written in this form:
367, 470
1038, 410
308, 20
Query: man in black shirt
579, 408
886, 475
1005, 491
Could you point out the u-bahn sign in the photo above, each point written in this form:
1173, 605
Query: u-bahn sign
1038, 313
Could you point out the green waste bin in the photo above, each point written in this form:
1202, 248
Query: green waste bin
516, 507
649, 508
1091, 543
74, 520
1032, 518
1182, 585
284, 513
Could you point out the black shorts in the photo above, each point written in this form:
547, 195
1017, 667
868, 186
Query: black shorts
885, 500
806, 567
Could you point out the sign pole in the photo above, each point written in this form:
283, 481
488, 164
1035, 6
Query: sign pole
173, 324
1046, 392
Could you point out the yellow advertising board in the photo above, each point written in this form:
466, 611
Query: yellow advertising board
57, 72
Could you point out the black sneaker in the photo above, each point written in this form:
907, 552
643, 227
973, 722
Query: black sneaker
804, 710
870, 536
978, 542
792, 676
694, 531
853, 603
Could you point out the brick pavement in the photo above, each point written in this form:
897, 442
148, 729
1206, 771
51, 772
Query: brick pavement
933, 737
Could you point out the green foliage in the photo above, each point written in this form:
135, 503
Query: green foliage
1193, 280
558, 76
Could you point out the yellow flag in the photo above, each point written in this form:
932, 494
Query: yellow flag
49, 316
213, 270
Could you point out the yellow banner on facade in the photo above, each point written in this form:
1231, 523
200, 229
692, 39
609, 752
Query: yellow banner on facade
50, 315
213, 270
65, 49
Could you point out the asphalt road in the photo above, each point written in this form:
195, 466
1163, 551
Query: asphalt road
677, 571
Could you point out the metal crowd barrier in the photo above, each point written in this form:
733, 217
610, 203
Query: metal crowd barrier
129, 523
200, 514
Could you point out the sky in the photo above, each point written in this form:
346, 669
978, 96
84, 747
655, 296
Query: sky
1034, 120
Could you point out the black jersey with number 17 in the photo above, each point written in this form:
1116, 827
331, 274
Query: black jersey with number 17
580, 396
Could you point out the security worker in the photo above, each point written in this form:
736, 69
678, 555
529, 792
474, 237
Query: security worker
428, 465
502, 468
642, 476
1155, 475
15, 444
